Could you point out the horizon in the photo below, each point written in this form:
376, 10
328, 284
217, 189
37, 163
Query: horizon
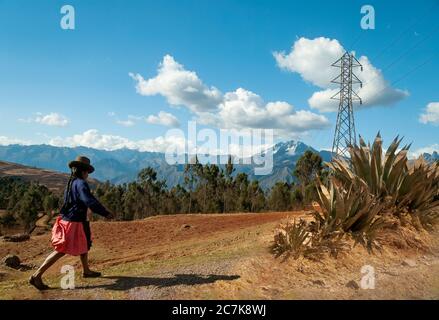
136, 150
411, 155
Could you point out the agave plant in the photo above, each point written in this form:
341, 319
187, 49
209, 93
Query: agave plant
349, 210
359, 197
291, 239
420, 187
383, 175
392, 179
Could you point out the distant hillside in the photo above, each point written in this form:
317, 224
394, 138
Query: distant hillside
122, 165
54, 181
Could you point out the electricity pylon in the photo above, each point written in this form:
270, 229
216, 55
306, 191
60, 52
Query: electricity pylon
345, 135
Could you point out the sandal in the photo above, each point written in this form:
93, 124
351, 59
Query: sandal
38, 284
92, 274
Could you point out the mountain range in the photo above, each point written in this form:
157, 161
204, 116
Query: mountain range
431, 157
123, 165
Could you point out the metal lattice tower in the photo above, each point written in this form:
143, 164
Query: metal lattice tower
345, 128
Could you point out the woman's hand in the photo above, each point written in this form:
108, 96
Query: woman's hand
89, 215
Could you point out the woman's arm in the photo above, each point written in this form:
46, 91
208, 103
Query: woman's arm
89, 200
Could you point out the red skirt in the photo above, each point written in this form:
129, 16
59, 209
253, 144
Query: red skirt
70, 237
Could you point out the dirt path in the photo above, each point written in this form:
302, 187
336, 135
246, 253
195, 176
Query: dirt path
218, 257
393, 279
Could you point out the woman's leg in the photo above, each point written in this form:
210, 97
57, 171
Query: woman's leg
88, 273
50, 260
84, 261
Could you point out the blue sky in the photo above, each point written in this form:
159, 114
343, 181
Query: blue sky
56, 85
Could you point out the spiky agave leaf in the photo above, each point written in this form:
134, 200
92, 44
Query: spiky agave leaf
367, 162
352, 210
389, 177
291, 239
419, 187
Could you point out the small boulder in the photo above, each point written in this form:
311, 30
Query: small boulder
17, 237
12, 261
186, 227
409, 263
353, 285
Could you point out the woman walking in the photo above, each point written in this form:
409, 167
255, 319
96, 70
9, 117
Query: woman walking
71, 231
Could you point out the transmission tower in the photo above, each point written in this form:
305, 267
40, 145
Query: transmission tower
345, 135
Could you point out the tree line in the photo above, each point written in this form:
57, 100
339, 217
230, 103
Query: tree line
23, 200
207, 188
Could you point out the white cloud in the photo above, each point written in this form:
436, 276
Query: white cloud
179, 86
238, 109
164, 119
131, 120
93, 139
312, 59
321, 100
244, 109
174, 140
126, 123
421, 151
135, 118
431, 114
51, 119
5, 141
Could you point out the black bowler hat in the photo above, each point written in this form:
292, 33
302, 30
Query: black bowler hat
82, 162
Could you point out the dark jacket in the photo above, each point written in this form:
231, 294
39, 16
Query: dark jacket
75, 208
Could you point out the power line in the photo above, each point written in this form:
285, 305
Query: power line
391, 64
400, 36
411, 48
350, 47
407, 73
406, 31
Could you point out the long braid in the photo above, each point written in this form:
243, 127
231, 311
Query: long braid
69, 187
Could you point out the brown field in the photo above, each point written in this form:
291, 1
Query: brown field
218, 257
